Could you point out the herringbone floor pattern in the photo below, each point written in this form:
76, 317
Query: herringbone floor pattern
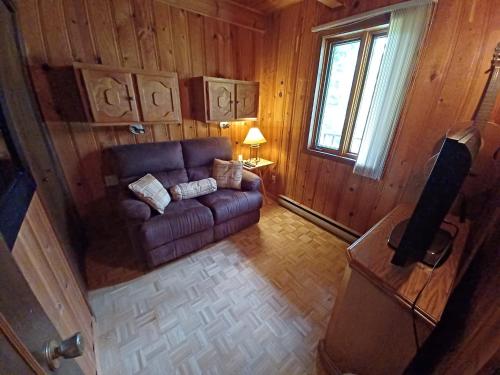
255, 303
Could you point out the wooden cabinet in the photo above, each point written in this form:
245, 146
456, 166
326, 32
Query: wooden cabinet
219, 99
119, 96
247, 100
383, 312
111, 95
159, 96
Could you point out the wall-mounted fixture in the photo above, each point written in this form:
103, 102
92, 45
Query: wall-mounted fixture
137, 129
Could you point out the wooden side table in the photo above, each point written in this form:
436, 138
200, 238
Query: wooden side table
260, 169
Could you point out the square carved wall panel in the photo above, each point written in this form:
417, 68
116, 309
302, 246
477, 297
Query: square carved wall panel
159, 97
221, 100
111, 95
247, 100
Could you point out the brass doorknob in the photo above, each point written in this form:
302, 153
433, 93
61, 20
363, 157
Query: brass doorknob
69, 348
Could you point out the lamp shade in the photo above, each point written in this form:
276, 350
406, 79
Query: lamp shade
254, 137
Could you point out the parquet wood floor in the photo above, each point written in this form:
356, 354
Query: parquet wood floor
256, 303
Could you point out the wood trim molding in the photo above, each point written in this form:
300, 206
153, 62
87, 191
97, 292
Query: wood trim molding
370, 14
107, 68
225, 80
222, 10
341, 231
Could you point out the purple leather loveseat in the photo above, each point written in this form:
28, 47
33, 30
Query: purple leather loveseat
186, 225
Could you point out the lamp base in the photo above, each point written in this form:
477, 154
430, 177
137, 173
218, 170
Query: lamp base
256, 158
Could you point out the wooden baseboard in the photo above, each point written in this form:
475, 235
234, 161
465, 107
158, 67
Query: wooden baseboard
323, 221
326, 361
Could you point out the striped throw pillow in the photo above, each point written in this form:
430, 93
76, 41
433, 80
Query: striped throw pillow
193, 189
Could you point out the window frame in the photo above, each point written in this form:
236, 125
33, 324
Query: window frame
365, 32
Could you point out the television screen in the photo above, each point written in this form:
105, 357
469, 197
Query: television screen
8, 164
420, 236
16, 185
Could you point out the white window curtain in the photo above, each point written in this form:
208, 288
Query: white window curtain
406, 31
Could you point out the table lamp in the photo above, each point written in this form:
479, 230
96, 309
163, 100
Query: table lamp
254, 138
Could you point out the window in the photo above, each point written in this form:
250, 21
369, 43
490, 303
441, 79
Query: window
348, 72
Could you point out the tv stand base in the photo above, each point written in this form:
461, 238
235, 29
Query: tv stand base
442, 243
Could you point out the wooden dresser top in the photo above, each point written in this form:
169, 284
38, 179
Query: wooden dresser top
371, 255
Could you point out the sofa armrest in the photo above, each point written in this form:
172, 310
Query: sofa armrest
134, 210
250, 181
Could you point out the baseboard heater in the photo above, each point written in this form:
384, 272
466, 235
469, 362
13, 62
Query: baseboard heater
324, 222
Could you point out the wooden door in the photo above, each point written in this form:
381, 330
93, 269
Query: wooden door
159, 97
40, 258
111, 95
220, 101
247, 100
24, 323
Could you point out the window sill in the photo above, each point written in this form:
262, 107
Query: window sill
327, 155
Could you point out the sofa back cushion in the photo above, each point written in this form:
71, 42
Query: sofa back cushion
199, 155
164, 160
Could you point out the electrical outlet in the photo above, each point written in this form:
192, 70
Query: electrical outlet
273, 178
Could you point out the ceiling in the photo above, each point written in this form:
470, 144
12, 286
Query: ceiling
268, 6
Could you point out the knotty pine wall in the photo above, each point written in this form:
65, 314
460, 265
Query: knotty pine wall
146, 34
447, 87
153, 35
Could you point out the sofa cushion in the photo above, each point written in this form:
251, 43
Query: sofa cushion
178, 248
167, 179
135, 210
226, 204
202, 152
199, 155
199, 173
171, 178
139, 159
181, 218
250, 181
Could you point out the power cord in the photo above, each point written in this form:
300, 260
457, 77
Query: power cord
414, 304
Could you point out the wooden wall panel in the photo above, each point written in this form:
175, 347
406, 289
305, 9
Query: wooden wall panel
446, 89
155, 34
41, 260
147, 34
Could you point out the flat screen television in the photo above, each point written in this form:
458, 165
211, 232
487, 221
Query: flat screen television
420, 237
16, 184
